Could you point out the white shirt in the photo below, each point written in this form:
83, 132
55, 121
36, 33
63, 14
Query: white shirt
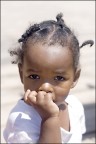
23, 125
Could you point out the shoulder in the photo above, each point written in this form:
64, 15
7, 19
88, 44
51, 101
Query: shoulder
76, 111
23, 110
75, 104
22, 118
73, 101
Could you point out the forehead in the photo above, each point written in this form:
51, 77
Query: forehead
48, 57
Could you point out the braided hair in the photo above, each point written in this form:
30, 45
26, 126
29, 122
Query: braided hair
50, 32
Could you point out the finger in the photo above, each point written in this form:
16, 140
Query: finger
28, 102
32, 97
26, 94
40, 97
50, 96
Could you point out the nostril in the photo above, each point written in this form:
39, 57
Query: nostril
47, 91
46, 87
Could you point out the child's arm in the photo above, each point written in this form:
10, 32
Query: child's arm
50, 131
49, 111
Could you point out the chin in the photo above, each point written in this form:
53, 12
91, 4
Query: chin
59, 101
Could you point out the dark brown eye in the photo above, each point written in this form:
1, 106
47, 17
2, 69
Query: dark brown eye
59, 78
34, 76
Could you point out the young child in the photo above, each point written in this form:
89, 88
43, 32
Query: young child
48, 62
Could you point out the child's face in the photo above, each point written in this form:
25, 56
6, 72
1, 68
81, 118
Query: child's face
48, 68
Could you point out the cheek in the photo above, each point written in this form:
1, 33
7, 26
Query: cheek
29, 84
62, 91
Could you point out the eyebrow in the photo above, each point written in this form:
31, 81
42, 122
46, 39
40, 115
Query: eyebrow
59, 72
55, 72
33, 70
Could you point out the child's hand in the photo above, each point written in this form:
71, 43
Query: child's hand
43, 102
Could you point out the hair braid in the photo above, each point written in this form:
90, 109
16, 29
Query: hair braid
29, 32
91, 42
51, 32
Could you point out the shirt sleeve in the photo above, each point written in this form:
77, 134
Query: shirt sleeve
65, 135
23, 125
18, 137
82, 121
20, 129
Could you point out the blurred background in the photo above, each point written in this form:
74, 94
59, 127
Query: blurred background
16, 16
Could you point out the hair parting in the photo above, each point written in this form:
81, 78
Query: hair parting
50, 32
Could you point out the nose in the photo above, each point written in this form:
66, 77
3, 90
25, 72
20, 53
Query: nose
46, 87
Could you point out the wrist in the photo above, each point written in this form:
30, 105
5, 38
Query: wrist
51, 118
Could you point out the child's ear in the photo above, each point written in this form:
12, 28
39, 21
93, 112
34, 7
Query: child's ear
76, 77
20, 72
